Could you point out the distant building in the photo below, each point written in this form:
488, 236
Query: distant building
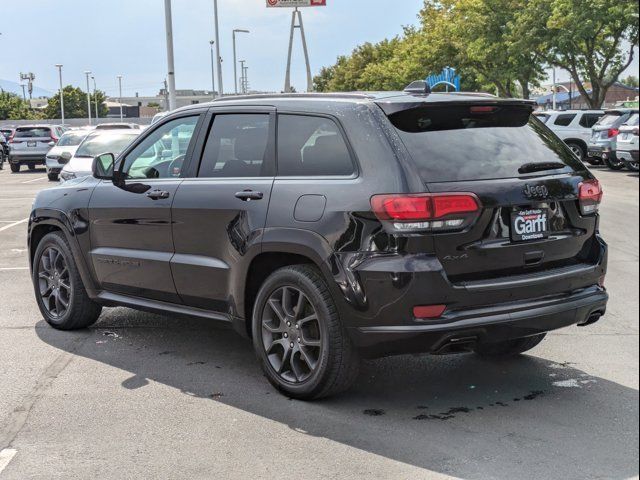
160, 101
568, 96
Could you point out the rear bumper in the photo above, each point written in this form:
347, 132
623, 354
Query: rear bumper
379, 311
24, 159
461, 330
628, 156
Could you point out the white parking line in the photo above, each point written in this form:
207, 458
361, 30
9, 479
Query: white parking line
6, 456
7, 227
35, 180
12, 269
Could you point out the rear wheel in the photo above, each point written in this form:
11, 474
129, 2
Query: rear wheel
633, 166
61, 296
578, 150
613, 163
299, 339
510, 347
15, 167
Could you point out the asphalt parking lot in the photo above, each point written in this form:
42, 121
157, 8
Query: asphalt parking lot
146, 396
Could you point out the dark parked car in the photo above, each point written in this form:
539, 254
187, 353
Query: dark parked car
332, 227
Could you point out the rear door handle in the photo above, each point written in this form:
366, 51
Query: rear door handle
158, 194
249, 195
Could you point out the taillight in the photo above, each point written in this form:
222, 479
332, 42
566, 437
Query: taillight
613, 132
429, 311
425, 211
590, 195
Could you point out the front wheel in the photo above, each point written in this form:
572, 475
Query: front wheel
53, 177
299, 339
509, 348
61, 296
613, 163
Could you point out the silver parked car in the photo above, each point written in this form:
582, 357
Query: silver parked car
604, 133
30, 144
627, 143
96, 143
63, 151
574, 127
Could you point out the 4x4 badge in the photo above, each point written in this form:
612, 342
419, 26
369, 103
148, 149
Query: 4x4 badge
538, 191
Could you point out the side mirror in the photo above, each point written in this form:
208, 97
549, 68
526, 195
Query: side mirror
64, 157
52, 143
102, 167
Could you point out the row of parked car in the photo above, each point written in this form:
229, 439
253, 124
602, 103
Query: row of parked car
598, 137
64, 152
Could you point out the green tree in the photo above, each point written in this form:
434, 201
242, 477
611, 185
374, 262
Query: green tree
592, 39
630, 81
13, 107
75, 104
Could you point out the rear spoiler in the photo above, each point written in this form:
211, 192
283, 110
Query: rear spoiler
391, 107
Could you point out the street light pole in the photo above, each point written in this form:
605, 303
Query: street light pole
87, 73
120, 95
554, 88
235, 58
213, 70
171, 77
219, 58
59, 67
95, 96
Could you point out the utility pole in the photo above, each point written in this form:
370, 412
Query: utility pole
24, 92
95, 96
213, 70
87, 73
554, 88
235, 60
170, 61
219, 58
59, 67
297, 15
119, 77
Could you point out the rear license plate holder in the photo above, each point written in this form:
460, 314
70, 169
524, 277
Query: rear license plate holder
32, 144
529, 224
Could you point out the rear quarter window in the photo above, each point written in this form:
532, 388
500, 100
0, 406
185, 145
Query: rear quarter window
452, 143
588, 120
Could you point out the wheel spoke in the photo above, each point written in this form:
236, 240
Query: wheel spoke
307, 359
277, 309
286, 360
286, 300
266, 324
300, 305
310, 318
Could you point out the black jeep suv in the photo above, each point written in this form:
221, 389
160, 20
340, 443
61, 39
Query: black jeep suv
332, 227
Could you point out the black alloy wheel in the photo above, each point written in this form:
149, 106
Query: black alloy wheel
54, 282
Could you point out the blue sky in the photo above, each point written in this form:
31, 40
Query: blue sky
110, 37
127, 37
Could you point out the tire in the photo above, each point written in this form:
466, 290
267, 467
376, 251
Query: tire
53, 177
15, 167
578, 150
614, 163
336, 360
32, 166
509, 348
633, 166
81, 311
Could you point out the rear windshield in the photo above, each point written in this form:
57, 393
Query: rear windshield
457, 143
113, 126
609, 119
33, 132
71, 139
98, 144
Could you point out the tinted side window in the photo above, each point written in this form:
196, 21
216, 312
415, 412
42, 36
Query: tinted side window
237, 147
311, 146
162, 153
588, 120
564, 120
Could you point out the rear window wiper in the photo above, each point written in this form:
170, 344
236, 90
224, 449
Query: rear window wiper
540, 167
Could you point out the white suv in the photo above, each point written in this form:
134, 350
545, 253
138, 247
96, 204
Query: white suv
574, 127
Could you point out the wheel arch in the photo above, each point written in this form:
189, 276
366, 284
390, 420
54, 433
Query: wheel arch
45, 221
579, 142
281, 248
